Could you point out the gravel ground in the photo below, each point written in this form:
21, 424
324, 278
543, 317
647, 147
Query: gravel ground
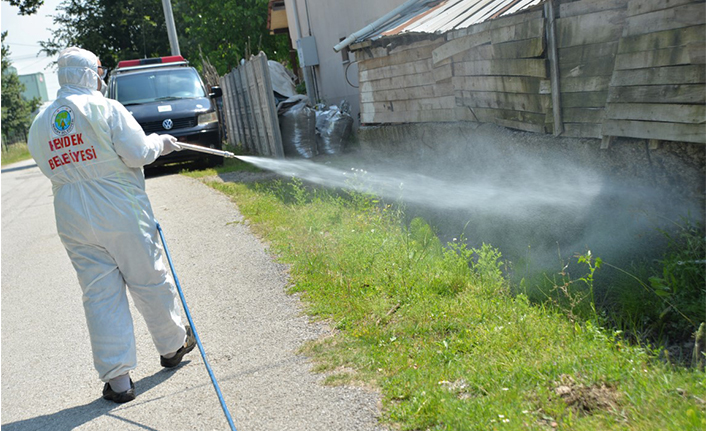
250, 328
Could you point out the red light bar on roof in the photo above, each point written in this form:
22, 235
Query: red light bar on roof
148, 61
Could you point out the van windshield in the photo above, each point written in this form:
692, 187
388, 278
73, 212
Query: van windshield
155, 85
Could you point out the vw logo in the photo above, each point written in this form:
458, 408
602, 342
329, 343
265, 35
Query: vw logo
167, 124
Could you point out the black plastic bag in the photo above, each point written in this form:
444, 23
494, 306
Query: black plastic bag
333, 127
297, 122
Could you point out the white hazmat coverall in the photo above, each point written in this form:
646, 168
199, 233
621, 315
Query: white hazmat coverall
93, 151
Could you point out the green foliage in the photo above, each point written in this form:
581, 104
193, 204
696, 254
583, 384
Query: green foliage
651, 303
301, 88
435, 329
27, 7
299, 193
572, 295
593, 264
227, 31
481, 267
668, 302
683, 276
124, 29
16, 112
15, 153
114, 30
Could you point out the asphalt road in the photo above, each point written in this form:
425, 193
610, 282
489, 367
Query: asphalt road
250, 328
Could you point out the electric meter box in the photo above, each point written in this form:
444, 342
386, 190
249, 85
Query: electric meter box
306, 48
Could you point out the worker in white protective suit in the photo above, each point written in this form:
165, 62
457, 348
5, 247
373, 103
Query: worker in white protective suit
93, 151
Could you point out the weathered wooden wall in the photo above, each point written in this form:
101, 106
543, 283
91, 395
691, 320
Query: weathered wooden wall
632, 68
403, 84
499, 73
250, 112
657, 90
587, 39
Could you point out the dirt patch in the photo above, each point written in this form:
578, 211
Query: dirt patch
587, 399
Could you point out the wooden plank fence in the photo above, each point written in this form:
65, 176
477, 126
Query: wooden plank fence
250, 111
579, 68
588, 32
504, 78
657, 89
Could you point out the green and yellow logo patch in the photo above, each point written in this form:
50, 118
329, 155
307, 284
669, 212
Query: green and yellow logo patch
63, 120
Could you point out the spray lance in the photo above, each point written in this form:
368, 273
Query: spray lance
207, 150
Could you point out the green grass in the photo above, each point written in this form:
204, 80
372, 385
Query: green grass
659, 302
15, 153
437, 331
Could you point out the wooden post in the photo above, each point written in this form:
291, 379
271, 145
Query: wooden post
230, 119
553, 67
250, 140
255, 114
267, 111
606, 142
238, 126
277, 147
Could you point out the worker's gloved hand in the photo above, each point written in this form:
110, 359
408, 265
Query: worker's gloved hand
169, 144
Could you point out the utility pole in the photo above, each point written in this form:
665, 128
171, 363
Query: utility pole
171, 28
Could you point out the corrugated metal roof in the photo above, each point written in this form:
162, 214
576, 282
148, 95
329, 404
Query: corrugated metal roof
440, 16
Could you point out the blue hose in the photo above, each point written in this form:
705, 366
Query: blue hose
196, 335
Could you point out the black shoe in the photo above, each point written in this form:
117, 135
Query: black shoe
183, 350
121, 397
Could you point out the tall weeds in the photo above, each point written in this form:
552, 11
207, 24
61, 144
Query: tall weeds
15, 153
434, 327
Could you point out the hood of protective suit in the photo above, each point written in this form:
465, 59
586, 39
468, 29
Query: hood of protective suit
78, 68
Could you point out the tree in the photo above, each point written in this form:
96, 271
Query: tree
123, 29
114, 30
227, 31
16, 112
27, 7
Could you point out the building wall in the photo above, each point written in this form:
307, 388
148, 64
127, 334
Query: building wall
329, 22
35, 86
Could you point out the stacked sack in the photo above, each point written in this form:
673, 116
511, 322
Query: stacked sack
307, 132
297, 123
333, 126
